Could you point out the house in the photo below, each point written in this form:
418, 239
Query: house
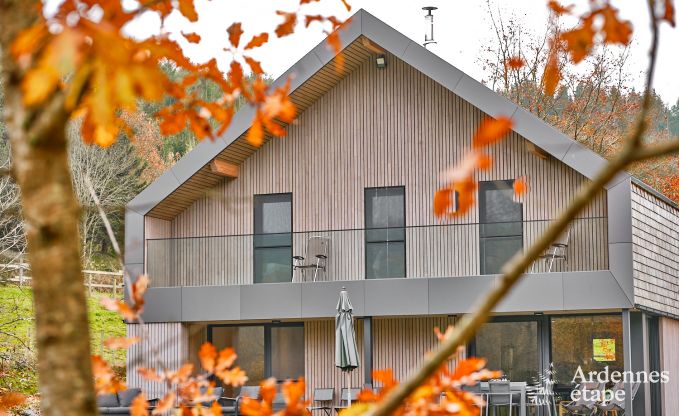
217, 233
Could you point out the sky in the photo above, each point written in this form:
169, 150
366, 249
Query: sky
462, 29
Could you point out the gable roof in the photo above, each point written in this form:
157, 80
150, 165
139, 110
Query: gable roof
312, 76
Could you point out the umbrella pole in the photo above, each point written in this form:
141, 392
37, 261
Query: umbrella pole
349, 384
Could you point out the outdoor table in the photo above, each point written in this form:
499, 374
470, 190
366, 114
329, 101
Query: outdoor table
515, 387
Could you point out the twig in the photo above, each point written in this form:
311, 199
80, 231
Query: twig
513, 270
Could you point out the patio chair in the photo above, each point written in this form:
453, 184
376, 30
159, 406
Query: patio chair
475, 389
500, 395
582, 406
316, 258
245, 391
322, 400
557, 251
614, 406
344, 398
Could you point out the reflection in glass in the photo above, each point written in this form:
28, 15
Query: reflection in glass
591, 342
385, 232
511, 347
501, 228
273, 238
287, 352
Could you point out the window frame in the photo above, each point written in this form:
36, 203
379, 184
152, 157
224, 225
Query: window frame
366, 229
255, 246
494, 185
267, 339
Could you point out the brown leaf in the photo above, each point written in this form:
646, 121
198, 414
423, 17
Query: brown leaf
140, 406
335, 44
105, 380
515, 62
346, 5
615, 30
235, 31
38, 84
669, 12
520, 186
557, 8
192, 37
208, 357
29, 40
256, 133
11, 400
442, 201
491, 130
579, 41
165, 404
552, 75
257, 41
121, 343
150, 374
187, 8
254, 65
288, 25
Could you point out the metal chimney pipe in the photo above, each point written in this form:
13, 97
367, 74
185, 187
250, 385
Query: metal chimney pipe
429, 26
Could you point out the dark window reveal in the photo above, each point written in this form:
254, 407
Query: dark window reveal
501, 225
385, 232
273, 238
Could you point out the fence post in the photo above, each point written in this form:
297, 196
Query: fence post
115, 281
89, 284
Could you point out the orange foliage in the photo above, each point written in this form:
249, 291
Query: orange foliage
9, 401
140, 406
100, 71
293, 393
515, 62
520, 186
121, 343
105, 380
130, 312
669, 12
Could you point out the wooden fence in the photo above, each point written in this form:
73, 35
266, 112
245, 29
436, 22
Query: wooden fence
95, 280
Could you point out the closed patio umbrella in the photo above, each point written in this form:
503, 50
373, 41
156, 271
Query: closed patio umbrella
346, 351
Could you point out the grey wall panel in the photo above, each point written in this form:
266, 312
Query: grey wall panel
133, 271
484, 98
163, 304
620, 212
535, 292
210, 303
386, 297
584, 160
155, 192
622, 267
458, 294
593, 290
271, 301
319, 299
383, 34
542, 134
134, 237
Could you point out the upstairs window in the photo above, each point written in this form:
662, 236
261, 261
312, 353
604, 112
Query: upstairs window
385, 232
501, 225
273, 238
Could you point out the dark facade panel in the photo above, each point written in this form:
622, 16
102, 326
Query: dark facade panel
208, 303
319, 299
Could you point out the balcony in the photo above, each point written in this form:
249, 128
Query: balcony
411, 252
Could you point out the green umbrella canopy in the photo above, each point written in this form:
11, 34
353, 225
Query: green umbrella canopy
346, 351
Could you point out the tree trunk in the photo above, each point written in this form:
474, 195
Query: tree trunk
50, 210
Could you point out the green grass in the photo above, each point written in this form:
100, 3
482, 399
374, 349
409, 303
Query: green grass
17, 360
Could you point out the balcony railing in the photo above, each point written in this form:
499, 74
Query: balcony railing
412, 252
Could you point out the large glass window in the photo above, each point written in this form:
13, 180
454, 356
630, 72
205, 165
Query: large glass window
273, 238
591, 342
264, 351
501, 225
385, 232
511, 347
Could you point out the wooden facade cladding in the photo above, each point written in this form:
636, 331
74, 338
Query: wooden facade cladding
655, 233
374, 128
669, 361
165, 343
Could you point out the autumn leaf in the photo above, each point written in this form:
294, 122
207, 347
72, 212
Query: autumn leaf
346, 5
442, 201
28, 41
38, 84
669, 12
165, 404
257, 41
335, 43
121, 343
254, 65
615, 31
552, 75
235, 31
120, 307
10, 400
105, 380
579, 41
308, 19
140, 406
150, 374
208, 356
288, 25
192, 37
520, 186
256, 133
491, 130
187, 9
515, 62
557, 8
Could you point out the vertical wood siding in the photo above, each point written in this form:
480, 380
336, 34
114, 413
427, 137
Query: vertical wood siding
655, 232
170, 340
377, 127
401, 343
669, 343
319, 358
